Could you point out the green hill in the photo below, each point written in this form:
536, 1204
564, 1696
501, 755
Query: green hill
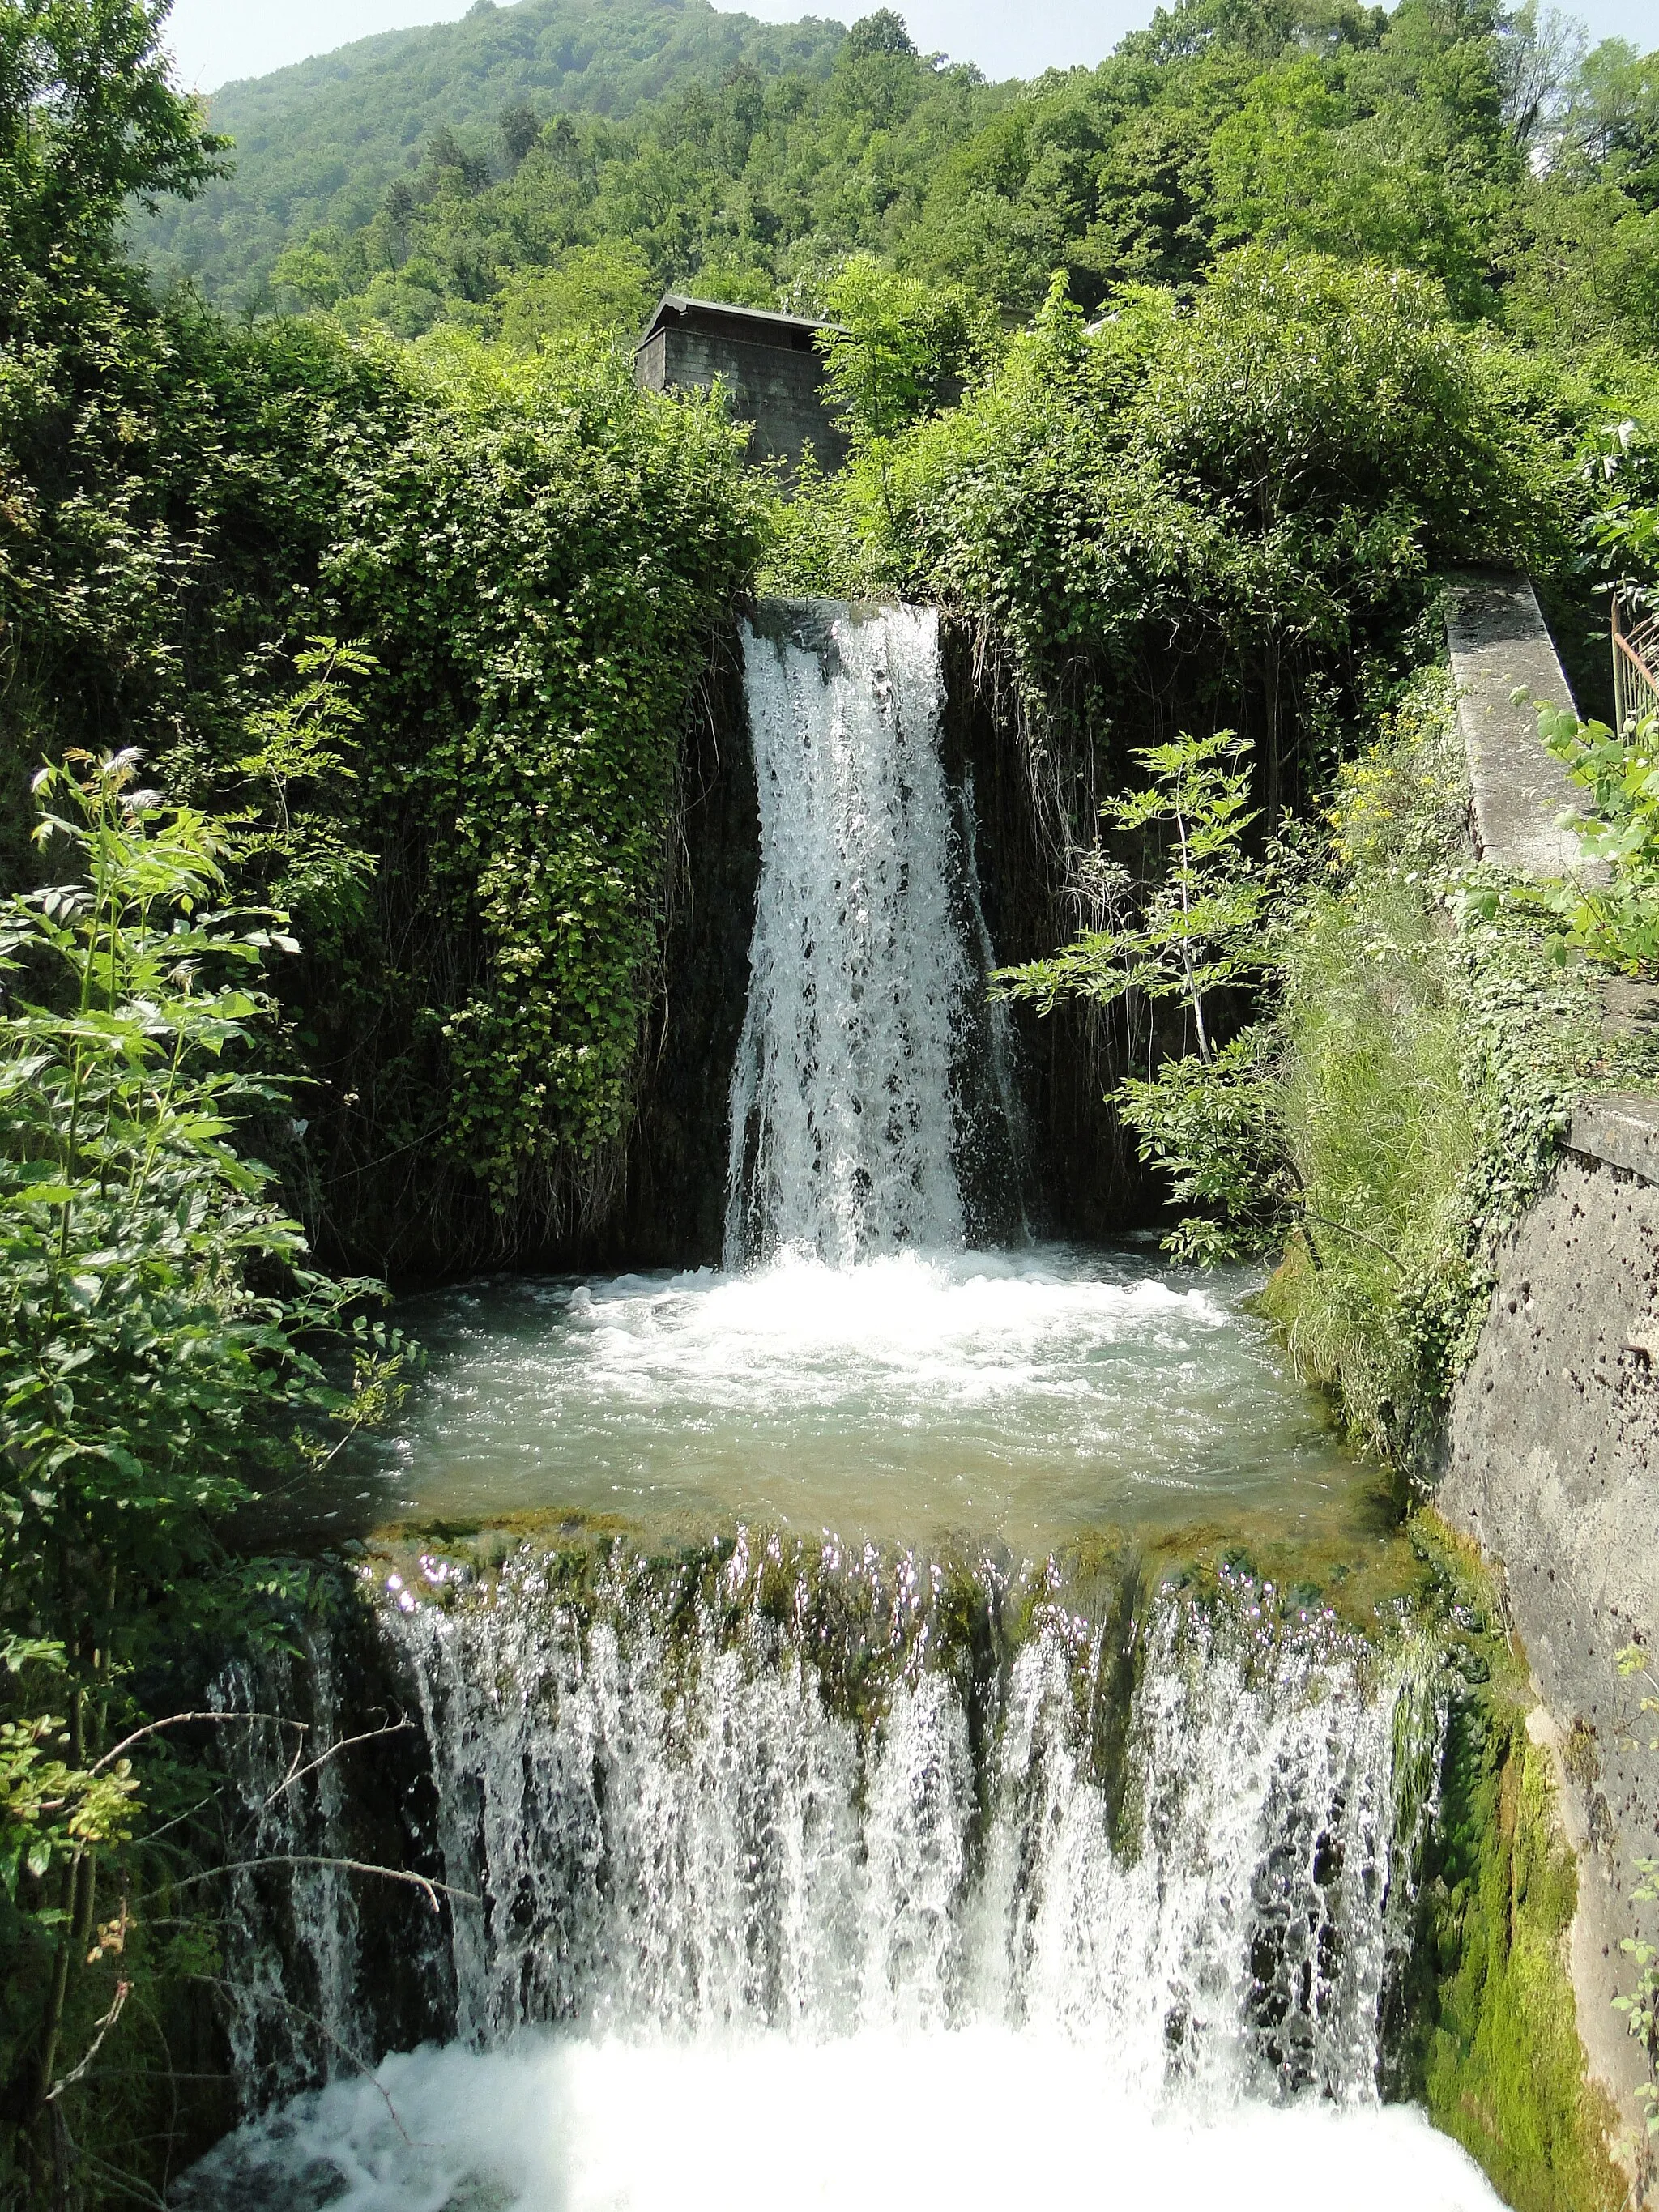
551, 166
319, 143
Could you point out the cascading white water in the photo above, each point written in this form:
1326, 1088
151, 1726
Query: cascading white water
689, 1852
776, 1875
843, 1121
674, 1830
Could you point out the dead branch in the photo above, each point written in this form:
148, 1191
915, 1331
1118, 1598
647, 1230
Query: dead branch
298, 1773
123, 1989
430, 1889
177, 1720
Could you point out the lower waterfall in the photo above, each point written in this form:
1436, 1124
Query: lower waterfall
773, 1820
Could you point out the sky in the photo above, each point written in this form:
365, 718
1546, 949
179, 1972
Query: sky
215, 40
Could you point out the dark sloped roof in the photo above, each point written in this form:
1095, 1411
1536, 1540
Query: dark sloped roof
674, 305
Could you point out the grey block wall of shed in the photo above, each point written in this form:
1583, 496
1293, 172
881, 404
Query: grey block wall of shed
769, 365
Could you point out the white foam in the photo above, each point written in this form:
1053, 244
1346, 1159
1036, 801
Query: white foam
982, 2118
956, 1326
1024, 1395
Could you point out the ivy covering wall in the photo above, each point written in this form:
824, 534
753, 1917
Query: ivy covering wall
539, 560
527, 561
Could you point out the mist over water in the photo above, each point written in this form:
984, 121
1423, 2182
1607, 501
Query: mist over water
986, 2117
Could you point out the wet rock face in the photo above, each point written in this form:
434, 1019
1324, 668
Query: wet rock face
671, 1209
1084, 1178
1553, 1466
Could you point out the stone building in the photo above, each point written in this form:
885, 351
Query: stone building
768, 361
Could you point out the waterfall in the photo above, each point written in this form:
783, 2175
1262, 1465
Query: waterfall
952, 1874
678, 1823
788, 1790
844, 1116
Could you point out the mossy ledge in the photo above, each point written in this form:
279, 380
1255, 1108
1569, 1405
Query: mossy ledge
1490, 2042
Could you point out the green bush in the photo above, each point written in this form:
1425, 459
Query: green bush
540, 567
160, 1349
1229, 516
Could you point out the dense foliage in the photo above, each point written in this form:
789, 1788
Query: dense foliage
162, 1352
1480, 148
1226, 515
539, 554
536, 554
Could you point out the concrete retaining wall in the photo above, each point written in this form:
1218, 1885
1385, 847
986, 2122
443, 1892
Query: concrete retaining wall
1553, 1468
1552, 1444
1499, 647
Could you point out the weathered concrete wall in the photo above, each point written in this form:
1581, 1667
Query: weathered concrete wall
1553, 1468
1553, 1443
775, 388
1499, 645
1083, 1174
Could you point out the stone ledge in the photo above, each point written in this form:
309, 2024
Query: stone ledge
1499, 645
1621, 1129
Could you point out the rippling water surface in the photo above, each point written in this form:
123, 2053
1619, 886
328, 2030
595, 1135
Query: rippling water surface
1024, 1396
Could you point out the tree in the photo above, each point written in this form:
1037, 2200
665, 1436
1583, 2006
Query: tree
605, 288
884, 32
520, 127
450, 165
895, 349
89, 121
1208, 1117
1541, 52
1610, 123
1201, 928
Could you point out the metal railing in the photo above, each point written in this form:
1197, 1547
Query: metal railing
1635, 664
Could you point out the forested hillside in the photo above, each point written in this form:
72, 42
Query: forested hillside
464, 179
321, 143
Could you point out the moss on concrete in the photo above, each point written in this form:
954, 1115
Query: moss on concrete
1505, 2070
1492, 2044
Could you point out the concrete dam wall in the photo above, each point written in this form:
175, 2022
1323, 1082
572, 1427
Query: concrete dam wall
1553, 1468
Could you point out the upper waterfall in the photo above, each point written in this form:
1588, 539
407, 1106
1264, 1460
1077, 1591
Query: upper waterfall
843, 1114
